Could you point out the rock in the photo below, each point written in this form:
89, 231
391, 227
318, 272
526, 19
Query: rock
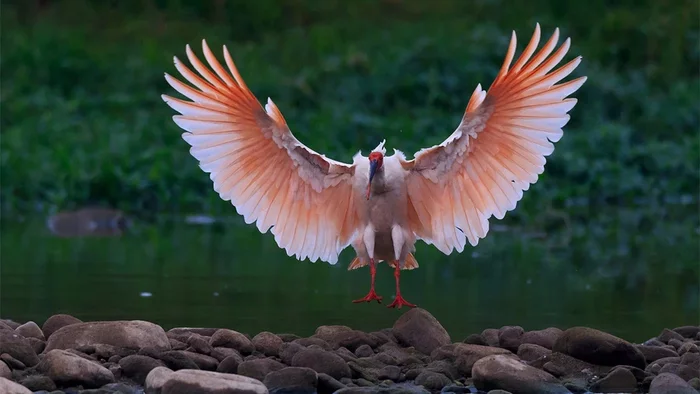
5, 371
203, 361
463, 355
292, 379
288, 350
531, 351
328, 384
202, 382
432, 381
38, 383
506, 373
545, 338
306, 342
676, 343
232, 339
267, 343
286, 337
352, 340
598, 347
390, 372
156, 379
259, 368
638, 373
18, 347
364, 351
509, 337
668, 383
322, 361
137, 367
30, 330
230, 364
443, 367
685, 372
403, 356
689, 332
37, 345
199, 344
475, 339
327, 333
206, 332
490, 336
53, 323
130, 334
12, 362
177, 345
666, 335
418, 328
688, 347
221, 353
9, 387
560, 365
653, 353
177, 359
368, 368
692, 360
66, 368
695, 383
617, 381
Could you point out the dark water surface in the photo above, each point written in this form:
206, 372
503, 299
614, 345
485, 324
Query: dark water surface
625, 271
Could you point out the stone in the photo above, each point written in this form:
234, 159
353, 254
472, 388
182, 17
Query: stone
390, 372
676, 343
203, 361
598, 347
66, 368
666, 335
9, 387
560, 365
368, 368
30, 330
53, 323
653, 353
420, 329
230, 364
137, 367
156, 379
463, 355
506, 373
5, 371
328, 384
38, 383
352, 340
490, 336
545, 338
668, 383
201, 331
531, 352
685, 372
688, 347
18, 347
322, 361
288, 350
177, 359
221, 353
37, 345
691, 359
443, 367
199, 344
259, 368
432, 381
232, 339
364, 351
12, 362
695, 383
689, 332
292, 379
267, 343
130, 334
619, 380
510, 337
475, 339
287, 337
327, 333
203, 382
306, 342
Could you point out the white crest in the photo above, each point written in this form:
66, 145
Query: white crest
380, 148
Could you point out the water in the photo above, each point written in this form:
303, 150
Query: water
626, 271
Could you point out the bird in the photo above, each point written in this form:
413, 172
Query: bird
379, 204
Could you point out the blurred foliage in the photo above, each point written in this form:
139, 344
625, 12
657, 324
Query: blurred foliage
83, 121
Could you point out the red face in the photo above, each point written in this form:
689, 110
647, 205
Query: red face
378, 157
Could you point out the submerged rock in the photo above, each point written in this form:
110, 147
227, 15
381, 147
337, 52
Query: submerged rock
598, 347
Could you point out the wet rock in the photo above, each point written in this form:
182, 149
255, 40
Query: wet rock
617, 381
38, 383
420, 329
688, 347
510, 337
53, 323
653, 353
368, 368
204, 382
66, 368
598, 347
432, 380
9, 387
105, 352
667, 383
692, 360
390, 372
364, 351
292, 379
545, 338
443, 367
156, 379
490, 336
347, 355
202, 331
137, 367
114, 388
5, 371
267, 343
37, 344
18, 347
352, 340
638, 373
506, 373
689, 332
130, 334
403, 356
12, 362
384, 336
676, 343
177, 359
230, 364
328, 384
560, 365
259, 368
30, 330
220, 353
232, 339
203, 361
532, 352
285, 337
463, 355
327, 333
685, 372
475, 339
695, 383
177, 345
666, 335
322, 361
199, 344
288, 350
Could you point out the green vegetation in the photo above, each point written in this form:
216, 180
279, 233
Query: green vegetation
83, 122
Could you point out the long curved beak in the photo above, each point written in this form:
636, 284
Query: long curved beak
372, 171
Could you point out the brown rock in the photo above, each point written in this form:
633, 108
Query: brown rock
328, 384
5, 371
490, 336
327, 333
691, 359
463, 355
134, 334
598, 347
618, 380
30, 330
510, 337
259, 368
689, 332
220, 353
432, 381
666, 335
66, 369
475, 339
206, 332
230, 364
232, 339
207, 363
38, 383
531, 352
364, 351
199, 344
322, 361
545, 338
286, 337
205, 382
685, 372
506, 373
562, 365
267, 343
418, 328
292, 379
177, 359
653, 353
667, 383
306, 342
688, 347
53, 323
9, 387
288, 350
18, 347
12, 362
137, 367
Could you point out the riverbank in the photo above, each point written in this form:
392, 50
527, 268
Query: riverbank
416, 355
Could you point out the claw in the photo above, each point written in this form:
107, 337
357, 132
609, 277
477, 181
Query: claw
371, 296
399, 302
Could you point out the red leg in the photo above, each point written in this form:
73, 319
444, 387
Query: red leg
399, 301
372, 295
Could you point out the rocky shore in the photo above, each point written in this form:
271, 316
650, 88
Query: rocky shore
416, 355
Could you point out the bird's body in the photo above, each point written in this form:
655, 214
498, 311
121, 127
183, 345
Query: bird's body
380, 205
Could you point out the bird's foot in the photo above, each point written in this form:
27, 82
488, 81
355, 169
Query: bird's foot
399, 302
371, 296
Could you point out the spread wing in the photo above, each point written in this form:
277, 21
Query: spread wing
496, 152
256, 163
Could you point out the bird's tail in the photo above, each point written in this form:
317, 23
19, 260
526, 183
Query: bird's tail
410, 264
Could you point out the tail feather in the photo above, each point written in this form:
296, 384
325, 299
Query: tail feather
411, 263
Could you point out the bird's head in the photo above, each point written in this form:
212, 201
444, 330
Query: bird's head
376, 159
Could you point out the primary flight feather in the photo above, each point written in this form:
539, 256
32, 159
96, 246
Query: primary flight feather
380, 205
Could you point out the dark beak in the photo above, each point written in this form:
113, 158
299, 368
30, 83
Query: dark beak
372, 171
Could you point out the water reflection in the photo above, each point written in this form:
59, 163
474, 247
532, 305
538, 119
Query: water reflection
622, 271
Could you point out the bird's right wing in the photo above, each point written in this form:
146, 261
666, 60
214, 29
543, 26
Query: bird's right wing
256, 163
496, 152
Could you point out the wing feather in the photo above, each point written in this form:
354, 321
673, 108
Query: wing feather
498, 149
256, 163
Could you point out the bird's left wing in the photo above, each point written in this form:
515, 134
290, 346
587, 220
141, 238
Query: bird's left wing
496, 152
256, 163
